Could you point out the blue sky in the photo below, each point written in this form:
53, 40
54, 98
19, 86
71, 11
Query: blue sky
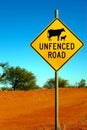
22, 20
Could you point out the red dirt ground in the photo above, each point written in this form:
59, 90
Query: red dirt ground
34, 110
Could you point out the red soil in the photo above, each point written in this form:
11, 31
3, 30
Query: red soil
34, 110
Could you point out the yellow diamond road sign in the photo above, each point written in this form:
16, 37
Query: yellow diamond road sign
56, 44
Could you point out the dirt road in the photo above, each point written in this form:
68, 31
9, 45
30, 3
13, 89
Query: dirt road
34, 110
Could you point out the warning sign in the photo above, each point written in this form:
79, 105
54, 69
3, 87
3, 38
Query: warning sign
56, 44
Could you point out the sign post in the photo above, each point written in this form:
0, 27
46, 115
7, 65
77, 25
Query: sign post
56, 44
57, 124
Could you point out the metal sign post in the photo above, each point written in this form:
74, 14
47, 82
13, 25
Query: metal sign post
57, 125
56, 44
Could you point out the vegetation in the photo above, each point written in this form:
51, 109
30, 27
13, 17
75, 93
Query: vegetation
63, 83
82, 84
51, 83
20, 79
6, 89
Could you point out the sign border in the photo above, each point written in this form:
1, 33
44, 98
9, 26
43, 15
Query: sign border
41, 34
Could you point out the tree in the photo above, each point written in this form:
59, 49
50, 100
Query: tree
82, 83
51, 83
19, 78
63, 83
4, 67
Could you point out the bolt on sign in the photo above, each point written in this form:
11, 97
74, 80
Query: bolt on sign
56, 44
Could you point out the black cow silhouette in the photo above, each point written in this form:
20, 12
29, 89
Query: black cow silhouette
56, 32
63, 37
